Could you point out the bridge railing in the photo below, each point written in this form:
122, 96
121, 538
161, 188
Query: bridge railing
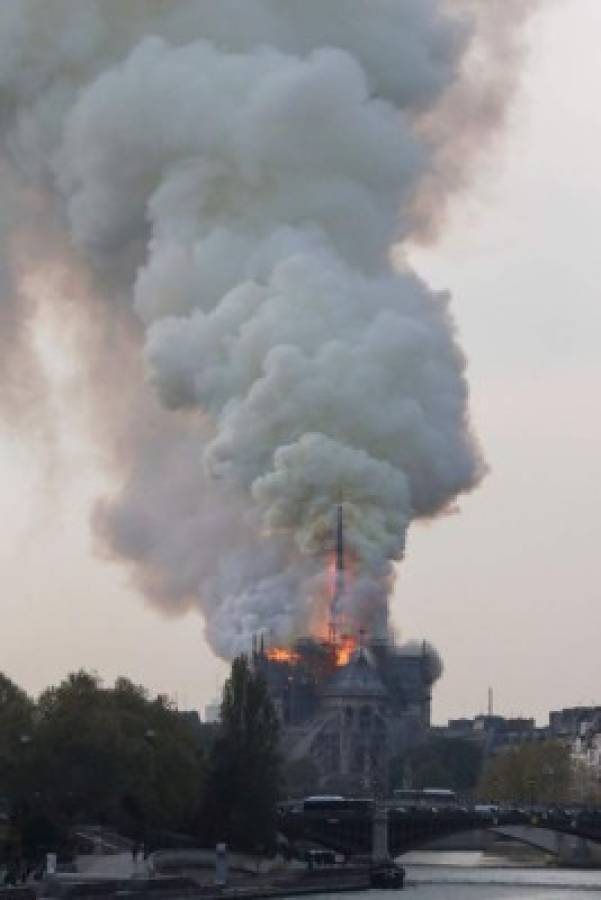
349, 830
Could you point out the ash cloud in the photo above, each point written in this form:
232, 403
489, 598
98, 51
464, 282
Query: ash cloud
231, 178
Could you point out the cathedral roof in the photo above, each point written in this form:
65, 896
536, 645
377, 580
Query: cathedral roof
357, 679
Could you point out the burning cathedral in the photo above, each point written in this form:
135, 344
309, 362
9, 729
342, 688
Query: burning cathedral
348, 701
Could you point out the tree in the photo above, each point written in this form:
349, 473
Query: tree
112, 756
439, 762
16, 724
301, 777
529, 774
244, 766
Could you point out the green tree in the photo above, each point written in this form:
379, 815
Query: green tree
16, 724
439, 762
16, 728
300, 777
244, 766
113, 756
530, 773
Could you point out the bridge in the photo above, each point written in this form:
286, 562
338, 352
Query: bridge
573, 837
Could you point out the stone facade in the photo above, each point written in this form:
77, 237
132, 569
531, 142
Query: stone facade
349, 720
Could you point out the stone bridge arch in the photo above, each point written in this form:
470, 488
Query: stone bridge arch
568, 849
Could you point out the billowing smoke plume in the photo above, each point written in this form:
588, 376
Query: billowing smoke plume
230, 176
432, 663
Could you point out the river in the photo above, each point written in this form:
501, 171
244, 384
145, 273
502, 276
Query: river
477, 876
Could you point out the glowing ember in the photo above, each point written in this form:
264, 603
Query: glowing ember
345, 649
282, 655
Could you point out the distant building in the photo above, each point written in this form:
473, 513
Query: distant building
212, 712
586, 747
191, 718
579, 727
458, 728
202, 732
494, 733
567, 723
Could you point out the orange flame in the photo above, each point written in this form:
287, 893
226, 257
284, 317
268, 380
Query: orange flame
282, 655
345, 649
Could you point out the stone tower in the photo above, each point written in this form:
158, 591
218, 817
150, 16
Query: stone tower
351, 746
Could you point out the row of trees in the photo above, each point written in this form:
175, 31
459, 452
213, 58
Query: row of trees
114, 756
441, 762
532, 773
541, 774
85, 753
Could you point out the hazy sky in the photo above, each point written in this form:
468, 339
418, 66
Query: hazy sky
508, 589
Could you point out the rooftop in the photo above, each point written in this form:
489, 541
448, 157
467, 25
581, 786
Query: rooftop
356, 679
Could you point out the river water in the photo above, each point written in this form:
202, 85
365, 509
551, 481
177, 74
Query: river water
476, 876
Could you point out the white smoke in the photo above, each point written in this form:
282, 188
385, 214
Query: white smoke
236, 172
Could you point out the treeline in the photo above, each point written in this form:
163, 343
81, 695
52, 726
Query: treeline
87, 754
114, 756
454, 763
538, 773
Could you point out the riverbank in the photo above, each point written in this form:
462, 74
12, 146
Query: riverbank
195, 885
